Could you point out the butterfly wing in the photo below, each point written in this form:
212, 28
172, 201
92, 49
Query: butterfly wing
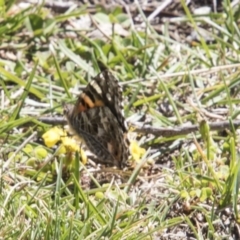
101, 133
97, 117
112, 96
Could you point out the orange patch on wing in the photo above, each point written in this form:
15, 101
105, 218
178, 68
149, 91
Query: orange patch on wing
89, 103
99, 103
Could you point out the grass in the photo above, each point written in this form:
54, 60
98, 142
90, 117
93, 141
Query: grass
192, 187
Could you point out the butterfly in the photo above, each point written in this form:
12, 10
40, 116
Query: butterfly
97, 118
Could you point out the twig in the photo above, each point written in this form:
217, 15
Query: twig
157, 131
57, 6
159, 9
182, 130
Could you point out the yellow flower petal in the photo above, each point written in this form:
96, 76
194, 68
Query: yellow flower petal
52, 136
72, 146
136, 151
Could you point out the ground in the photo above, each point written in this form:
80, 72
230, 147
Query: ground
178, 65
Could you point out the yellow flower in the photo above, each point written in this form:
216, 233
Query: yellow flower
52, 136
68, 145
71, 147
136, 151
